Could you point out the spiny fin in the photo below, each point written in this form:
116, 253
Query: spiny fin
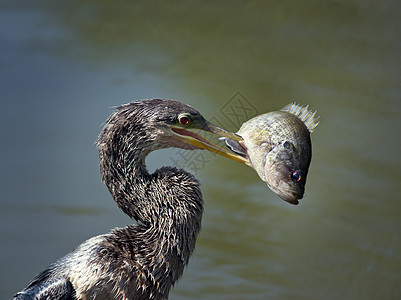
307, 116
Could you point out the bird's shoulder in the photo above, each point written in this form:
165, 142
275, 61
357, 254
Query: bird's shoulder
45, 286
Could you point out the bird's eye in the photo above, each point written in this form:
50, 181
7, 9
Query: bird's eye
296, 175
184, 120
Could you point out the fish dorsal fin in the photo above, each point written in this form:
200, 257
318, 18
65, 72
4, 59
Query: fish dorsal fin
302, 112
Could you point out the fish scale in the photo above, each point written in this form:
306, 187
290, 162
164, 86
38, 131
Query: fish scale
278, 146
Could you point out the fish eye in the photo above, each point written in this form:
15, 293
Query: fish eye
184, 119
296, 175
287, 145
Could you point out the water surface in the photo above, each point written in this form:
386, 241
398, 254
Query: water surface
64, 65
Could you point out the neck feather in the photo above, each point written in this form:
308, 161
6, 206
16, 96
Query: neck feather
169, 197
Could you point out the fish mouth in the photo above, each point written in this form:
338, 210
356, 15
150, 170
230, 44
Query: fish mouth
291, 198
287, 193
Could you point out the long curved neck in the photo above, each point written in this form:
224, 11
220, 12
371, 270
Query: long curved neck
169, 199
167, 204
122, 167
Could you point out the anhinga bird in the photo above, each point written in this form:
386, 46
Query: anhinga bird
139, 261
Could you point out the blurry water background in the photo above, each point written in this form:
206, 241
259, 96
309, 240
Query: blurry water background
65, 64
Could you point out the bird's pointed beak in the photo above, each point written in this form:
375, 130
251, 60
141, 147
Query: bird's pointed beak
190, 137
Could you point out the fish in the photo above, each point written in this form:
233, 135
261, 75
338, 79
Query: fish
278, 147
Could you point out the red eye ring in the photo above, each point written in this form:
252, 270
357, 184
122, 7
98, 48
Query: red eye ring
184, 120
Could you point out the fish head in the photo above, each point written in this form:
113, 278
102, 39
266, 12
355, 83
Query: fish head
278, 147
286, 168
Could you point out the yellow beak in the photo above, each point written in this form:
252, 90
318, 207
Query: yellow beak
192, 138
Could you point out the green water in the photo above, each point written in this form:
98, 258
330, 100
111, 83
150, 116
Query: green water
64, 65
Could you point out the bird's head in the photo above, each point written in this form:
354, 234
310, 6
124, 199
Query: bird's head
161, 123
